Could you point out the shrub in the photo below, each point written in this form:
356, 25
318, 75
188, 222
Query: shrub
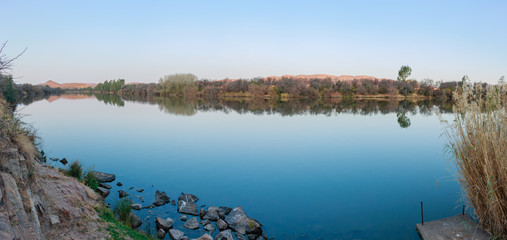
478, 143
122, 210
75, 170
90, 180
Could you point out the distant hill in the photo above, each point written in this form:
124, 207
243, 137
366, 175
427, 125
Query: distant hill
54, 84
324, 76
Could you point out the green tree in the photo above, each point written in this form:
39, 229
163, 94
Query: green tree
404, 73
8, 88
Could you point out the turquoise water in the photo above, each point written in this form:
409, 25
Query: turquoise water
305, 173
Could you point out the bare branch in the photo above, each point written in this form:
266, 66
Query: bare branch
5, 64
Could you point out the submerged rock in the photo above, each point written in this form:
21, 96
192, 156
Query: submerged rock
136, 206
241, 223
140, 190
165, 224
173, 203
135, 222
161, 198
104, 177
119, 184
122, 194
224, 235
176, 234
192, 223
140, 198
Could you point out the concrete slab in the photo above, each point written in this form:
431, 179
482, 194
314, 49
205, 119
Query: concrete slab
459, 227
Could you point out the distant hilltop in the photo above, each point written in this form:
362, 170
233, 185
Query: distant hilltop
323, 76
54, 84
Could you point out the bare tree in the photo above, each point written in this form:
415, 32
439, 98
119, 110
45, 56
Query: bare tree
6, 63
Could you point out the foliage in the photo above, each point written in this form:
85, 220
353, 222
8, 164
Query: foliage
176, 84
110, 86
90, 180
404, 73
118, 230
9, 90
478, 143
75, 170
122, 210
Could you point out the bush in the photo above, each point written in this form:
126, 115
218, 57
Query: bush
90, 180
75, 170
478, 143
122, 210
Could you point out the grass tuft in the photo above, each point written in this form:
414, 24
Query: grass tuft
122, 210
75, 170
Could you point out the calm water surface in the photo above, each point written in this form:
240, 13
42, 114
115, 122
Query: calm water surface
305, 172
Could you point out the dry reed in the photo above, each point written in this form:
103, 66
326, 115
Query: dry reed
478, 143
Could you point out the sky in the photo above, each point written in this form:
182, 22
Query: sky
141, 41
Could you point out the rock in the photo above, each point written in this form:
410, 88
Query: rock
204, 237
140, 190
212, 214
149, 207
103, 192
176, 234
239, 222
202, 213
226, 210
183, 217
184, 238
260, 238
221, 224
135, 222
54, 219
241, 236
54, 159
136, 206
122, 193
130, 188
188, 198
173, 203
187, 207
119, 184
104, 177
140, 198
161, 233
64, 161
105, 185
165, 224
205, 222
209, 227
192, 223
252, 237
160, 198
224, 235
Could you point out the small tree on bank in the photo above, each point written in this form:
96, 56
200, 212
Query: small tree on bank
404, 73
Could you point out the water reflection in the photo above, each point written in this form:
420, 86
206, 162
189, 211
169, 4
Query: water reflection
191, 106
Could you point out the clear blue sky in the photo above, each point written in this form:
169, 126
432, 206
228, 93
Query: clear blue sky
91, 41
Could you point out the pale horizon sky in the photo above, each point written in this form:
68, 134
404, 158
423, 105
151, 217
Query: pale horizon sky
141, 41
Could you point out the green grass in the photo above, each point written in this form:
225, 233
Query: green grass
122, 210
118, 230
90, 180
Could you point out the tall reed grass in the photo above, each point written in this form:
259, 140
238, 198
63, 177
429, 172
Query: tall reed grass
477, 140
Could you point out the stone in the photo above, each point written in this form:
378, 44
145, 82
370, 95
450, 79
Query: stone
241, 236
241, 223
135, 222
104, 177
192, 223
205, 222
187, 207
224, 235
173, 203
54, 219
130, 188
253, 236
209, 227
64, 161
161, 233
165, 224
221, 224
260, 238
119, 184
202, 213
176, 234
103, 192
105, 185
226, 210
183, 217
204, 237
122, 194
139, 190
140, 198
212, 214
188, 198
148, 207
456, 227
136, 206
161, 198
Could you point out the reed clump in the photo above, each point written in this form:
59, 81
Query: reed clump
478, 143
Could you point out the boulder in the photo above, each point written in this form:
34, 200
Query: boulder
241, 223
119, 184
224, 235
188, 198
103, 192
161, 198
187, 207
192, 224
205, 222
122, 194
64, 161
161, 233
104, 177
209, 227
136, 206
204, 237
176, 234
183, 217
165, 224
221, 224
105, 185
212, 214
241, 236
135, 222
225, 210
